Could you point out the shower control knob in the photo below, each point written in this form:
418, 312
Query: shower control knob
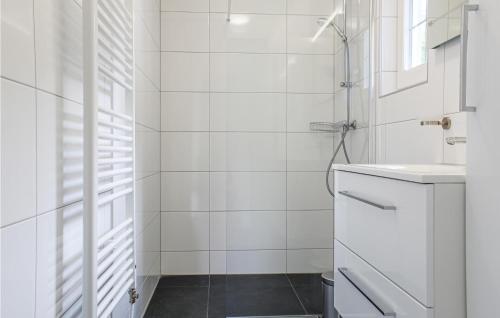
345, 84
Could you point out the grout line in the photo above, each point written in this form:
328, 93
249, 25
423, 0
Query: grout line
296, 294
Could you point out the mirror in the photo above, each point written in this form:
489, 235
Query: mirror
444, 19
403, 45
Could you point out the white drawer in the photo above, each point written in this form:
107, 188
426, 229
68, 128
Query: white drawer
398, 243
362, 292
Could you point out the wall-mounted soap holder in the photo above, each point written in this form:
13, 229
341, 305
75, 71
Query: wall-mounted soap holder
336, 127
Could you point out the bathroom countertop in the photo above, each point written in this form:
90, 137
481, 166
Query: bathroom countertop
438, 173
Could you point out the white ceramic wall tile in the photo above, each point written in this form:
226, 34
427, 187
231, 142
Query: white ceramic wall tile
301, 36
59, 48
254, 6
456, 154
452, 77
426, 143
309, 151
236, 191
18, 41
185, 191
185, 31
247, 152
256, 230
149, 62
185, 263
59, 261
235, 72
217, 262
59, 152
147, 151
311, 73
389, 8
18, 270
307, 191
256, 262
248, 33
185, 71
248, 112
183, 5
309, 261
148, 108
310, 7
218, 230
303, 109
185, 151
18, 152
150, 239
147, 200
185, 111
310, 229
183, 231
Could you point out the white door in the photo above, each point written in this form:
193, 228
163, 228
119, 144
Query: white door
483, 163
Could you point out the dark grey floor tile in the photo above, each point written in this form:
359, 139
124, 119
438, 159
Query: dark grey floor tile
184, 281
176, 302
305, 279
255, 282
262, 302
217, 301
311, 297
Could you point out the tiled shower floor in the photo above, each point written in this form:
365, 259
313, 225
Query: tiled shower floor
224, 296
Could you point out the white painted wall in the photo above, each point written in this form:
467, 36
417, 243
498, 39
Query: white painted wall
242, 176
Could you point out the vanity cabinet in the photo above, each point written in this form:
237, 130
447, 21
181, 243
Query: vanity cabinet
400, 241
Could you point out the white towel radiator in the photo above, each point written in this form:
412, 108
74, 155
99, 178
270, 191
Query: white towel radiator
109, 260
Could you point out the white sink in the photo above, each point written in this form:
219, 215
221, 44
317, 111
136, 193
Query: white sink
437, 173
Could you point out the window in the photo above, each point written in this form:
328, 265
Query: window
412, 43
415, 38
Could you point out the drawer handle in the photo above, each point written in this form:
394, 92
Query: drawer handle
368, 293
377, 205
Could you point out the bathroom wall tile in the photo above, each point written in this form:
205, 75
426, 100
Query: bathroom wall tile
381, 142
359, 17
389, 8
302, 109
309, 151
310, 7
234, 72
183, 231
309, 261
260, 230
218, 262
185, 151
185, 263
185, 31
185, 111
59, 152
254, 6
59, 261
426, 143
247, 152
248, 33
358, 144
388, 44
307, 191
302, 36
248, 112
18, 41
236, 191
452, 77
256, 262
456, 154
18, 152
147, 151
185, 72
149, 62
18, 269
310, 229
218, 231
183, 5
185, 191
311, 73
148, 109
147, 201
59, 48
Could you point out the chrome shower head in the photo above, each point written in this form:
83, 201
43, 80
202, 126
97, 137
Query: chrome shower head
322, 21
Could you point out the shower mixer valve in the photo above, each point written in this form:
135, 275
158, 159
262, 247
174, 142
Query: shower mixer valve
345, 84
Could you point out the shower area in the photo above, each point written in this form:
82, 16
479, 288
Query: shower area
257, 98
178, 151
